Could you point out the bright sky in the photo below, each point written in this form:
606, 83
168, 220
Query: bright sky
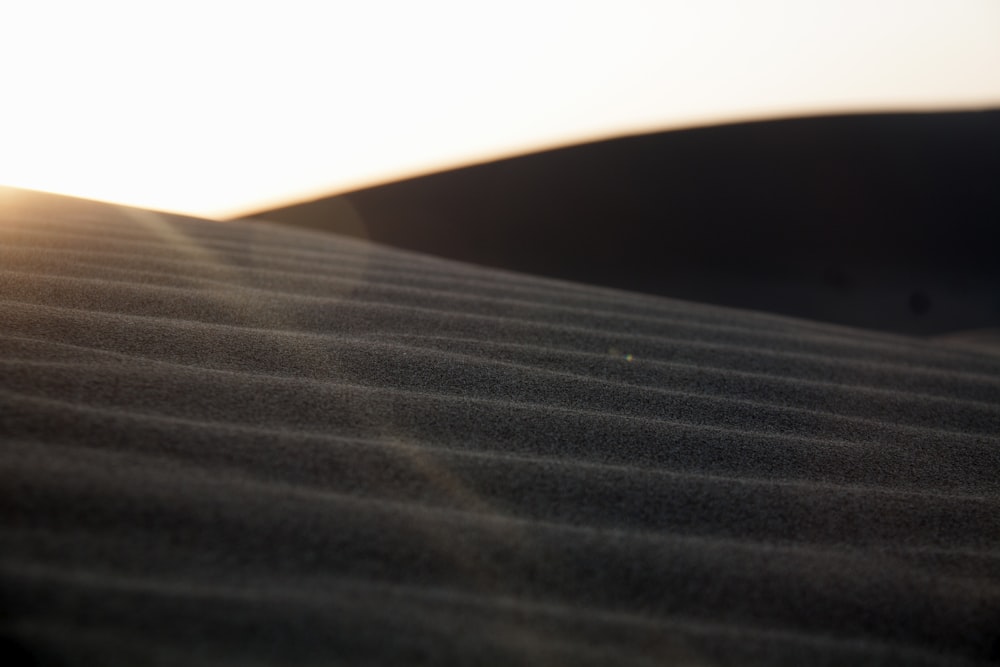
218, 108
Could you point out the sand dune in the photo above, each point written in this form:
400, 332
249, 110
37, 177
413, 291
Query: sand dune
882, 221
244, 444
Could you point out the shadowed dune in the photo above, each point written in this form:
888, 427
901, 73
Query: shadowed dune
883, 221
241, 443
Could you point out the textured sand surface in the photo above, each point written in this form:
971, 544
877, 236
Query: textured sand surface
243, 444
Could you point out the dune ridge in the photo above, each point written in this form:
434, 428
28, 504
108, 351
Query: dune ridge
246, 444
884, 221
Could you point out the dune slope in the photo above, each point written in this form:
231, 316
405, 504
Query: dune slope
245, 444
881, 221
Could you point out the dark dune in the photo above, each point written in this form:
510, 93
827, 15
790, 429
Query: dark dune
882, 221
247, 444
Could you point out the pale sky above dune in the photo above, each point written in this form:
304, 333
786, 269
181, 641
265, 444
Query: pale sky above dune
219, 108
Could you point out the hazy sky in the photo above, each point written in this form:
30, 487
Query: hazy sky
216, 108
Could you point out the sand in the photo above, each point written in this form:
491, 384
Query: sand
882, 221
244, 444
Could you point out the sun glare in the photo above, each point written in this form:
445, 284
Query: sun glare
218, 108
